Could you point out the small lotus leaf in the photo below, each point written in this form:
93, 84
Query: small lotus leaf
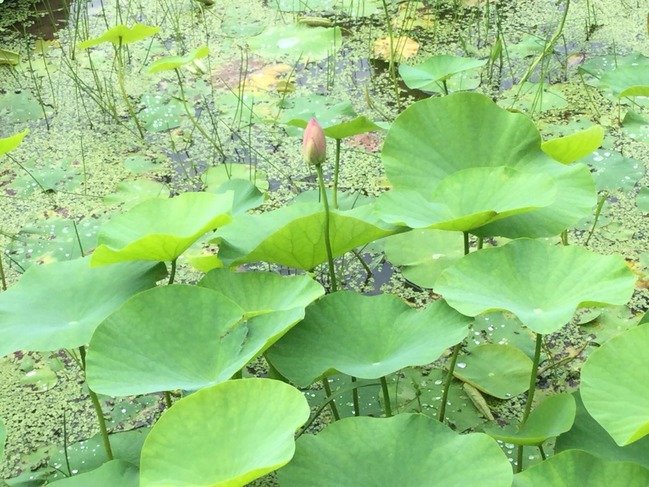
10, 143
407, 449
365, 336
341, 130
575, 467
423, 254
502, 371
553, 416
293, 235
627, 80
228, 434
541, 283
120, 34
110, 474
615, 385
468, 199
59, 305
428, 75
297, 41
174, 62
161, 229
586, 434
574, 146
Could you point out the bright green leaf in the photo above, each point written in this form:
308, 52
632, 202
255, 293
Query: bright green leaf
297, 41
228, 435
574, 146
174, 62
120, 34
110, 474
627, 80
341, 130
10, 143
429, 75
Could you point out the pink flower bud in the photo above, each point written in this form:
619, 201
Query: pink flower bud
314, 145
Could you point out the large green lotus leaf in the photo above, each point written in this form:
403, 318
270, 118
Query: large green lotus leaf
10, 143
297, 41
574, 146
226, 435
174, 62
161, 230
407, 449
428, 75
502, 371
59, 305
575, 467
468, 199
586, 434
615, 385
627, 80
553, 416
542, 284
171, 337
293, 235
424, 254
366, 337
120, 34
110, 474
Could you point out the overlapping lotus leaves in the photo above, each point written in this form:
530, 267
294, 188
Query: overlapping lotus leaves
59, 305
468, 199
365, 336
574, 146
228, 435
131, 352
553, 416
293, 235
407, 449
120, 34
540, 283
627, 80
615, 385
575, 467
161, 230
437, 137
114, 472
173, 62
502, 371
428, 75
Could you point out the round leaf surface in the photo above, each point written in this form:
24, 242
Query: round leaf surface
501, 371
161, 229
428, 75
407, 449
574, 467
540, 283
174, 62
120, 34
59, 305
365, 336
110, 474
615, 385
228, 434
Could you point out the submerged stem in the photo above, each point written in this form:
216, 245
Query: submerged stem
325, 203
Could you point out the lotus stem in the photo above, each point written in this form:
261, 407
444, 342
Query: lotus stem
530, 394
167, 399
447, 382
386, 397
2, 273
332, 403
598, 211
99, 412
336, 171
325, 203
357, 409
172, 273
122, 88
391, 67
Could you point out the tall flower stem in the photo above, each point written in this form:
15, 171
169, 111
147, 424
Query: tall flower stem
530, 394
100, 413
122, 88
325, 203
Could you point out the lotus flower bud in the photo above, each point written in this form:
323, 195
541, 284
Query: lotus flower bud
314, 145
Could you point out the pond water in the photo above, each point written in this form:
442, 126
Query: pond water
104, 136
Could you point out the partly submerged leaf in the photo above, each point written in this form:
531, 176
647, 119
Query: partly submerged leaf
541, 283
575, 467
407, 449
297, 41
574, 146
110, 474
59, 305
174, 62
553, 416
120, 34
615, 385
227, 434
161, 229
10, 143
366, 337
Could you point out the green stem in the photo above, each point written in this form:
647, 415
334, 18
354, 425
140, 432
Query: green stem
598, 211
357, 408
386, 397
392, 69
564, 237
172, 273
100, 414
168, 399
530, 394
122, 87
325, 202
2, 273
466, 243
332, 404
336, 171
447, 382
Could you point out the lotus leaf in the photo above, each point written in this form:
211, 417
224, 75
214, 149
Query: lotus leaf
110, 474
298, 41
10, 143
161, 229
120, 34
407, 449
366, 337
574, 146
628, 80
428, 75
541, 283
59, 305
615, 386
227, 434
174, 62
